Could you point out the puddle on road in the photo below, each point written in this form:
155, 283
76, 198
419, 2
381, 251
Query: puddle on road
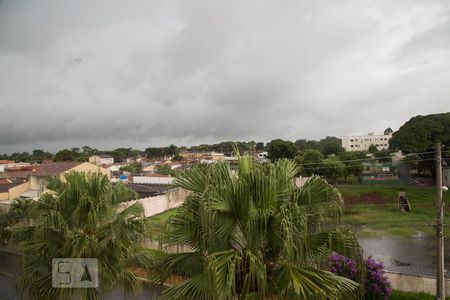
414, 255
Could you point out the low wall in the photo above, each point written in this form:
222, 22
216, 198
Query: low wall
152, 244
158, 204
415, 283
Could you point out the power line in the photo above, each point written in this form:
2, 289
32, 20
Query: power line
378, 158
349, 166
375, 158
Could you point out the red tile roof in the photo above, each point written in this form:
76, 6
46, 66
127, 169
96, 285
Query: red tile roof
55, 168
18, 174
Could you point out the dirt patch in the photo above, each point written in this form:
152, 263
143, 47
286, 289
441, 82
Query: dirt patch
372, 198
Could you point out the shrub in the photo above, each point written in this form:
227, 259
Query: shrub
376, 284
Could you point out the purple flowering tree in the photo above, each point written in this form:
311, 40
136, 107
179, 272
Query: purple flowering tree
376, 284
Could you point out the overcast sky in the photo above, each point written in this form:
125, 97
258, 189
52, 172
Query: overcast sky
145, 73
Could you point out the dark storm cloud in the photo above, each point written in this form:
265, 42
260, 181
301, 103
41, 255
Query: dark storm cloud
141, 73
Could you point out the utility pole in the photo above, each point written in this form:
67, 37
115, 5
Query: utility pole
440, 280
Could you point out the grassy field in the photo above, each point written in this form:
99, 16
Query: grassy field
399, 295
373, 210
158, 222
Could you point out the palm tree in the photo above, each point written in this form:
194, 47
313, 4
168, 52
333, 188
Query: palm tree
21, 210
81, 218
255, 235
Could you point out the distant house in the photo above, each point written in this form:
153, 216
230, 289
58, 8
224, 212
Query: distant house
134, 160
363, 142
39, 176
262, 155
208, 156
4, 164
10, 189
101, 160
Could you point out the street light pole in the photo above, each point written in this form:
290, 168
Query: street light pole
440, 283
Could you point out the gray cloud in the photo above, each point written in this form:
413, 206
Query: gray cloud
140, 73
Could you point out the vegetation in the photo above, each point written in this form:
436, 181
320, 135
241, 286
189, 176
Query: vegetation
165, 169
400, 295
81, 218
279, 149
420, 134
133, 168
162, 152
373, 210
256, 235
370, 273
158, 222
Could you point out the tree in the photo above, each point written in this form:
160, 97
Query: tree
260, 146
353, 163
333, 168
373, 149
64, 155
331, 145
82, 218
165, 169
420, 134
133, 168
256, 235
311, 162
388, 131
278, 149
40, 155
21, 210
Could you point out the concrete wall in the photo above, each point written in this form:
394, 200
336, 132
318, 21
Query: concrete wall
415, 283
158, 204
16, 191
4, 196
152, 180
37, 182
300, 181
152, 244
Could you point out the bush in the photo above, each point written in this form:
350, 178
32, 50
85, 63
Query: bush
376, 284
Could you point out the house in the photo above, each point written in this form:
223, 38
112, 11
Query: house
101, 160
39, 176
363, 142
4, 164
11, 189
131, 160
208, 156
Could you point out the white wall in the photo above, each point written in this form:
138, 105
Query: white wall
158, 204
363, 142
152, 180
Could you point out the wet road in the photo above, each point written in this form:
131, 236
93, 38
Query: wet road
413, 255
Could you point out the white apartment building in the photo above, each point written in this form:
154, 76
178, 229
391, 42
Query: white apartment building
363, 142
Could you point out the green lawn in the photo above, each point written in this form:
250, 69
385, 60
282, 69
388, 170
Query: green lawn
399, 295
372, 210
158, 222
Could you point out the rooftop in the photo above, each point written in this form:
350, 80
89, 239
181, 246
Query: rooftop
55, 168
